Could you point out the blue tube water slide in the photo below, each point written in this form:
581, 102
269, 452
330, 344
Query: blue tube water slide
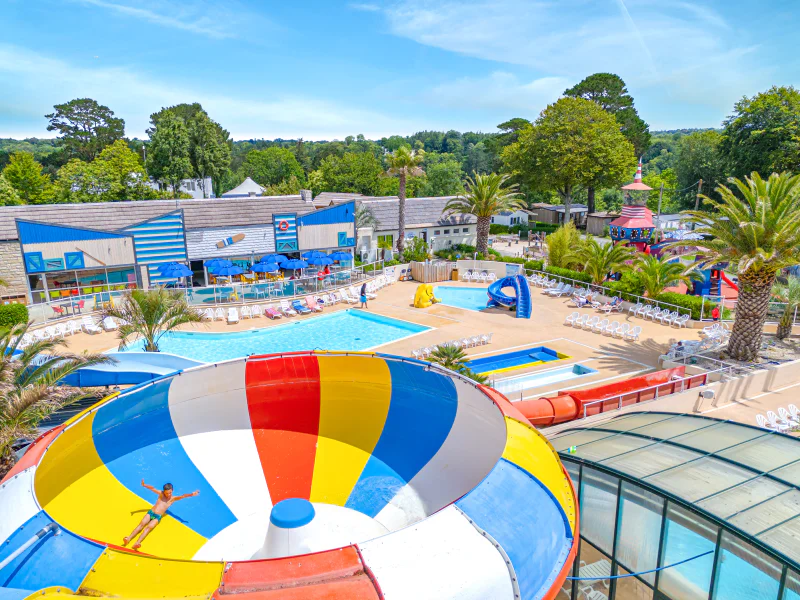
521, 299
129, 368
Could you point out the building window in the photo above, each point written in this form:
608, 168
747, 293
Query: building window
465, 230
386, 238
447, 232
437, 232
492, 219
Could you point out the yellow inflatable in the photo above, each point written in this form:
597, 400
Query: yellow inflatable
424, 297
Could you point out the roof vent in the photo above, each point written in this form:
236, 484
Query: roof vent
306, 196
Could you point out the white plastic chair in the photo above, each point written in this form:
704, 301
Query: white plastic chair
601, 326
591, 323
794, 412
246, 312
622, 331
762, 422
633, 334
785, 417
644, 311
287, 310
256, 311
632, 310
486, 338
88, 325
571, 318
208, 314
776, 423
219, 314
612, 329
233, 316
579, 323
681, 321
655, 313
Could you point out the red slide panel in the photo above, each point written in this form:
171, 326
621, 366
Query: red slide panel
34, 453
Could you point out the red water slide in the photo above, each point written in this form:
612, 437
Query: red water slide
728, 281
566, 406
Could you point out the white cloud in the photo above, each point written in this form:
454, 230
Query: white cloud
668, 49
499, 91
35, 82
215, 20
364, 7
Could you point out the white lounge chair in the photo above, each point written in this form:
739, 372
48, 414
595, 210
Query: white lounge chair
491, 277
89, 326
633, 334
416, 354
109, 324
794, 412
466, 275
763, 423
611, 329
644, 311
622, 331
256, 311
486, 338
785, 417
591, 323
246, 312
346, 297
775, 423
668, 320
287, 310
571, 318
553, 289
233, 316
208, 314
632, 310
681, 321
601, 326
655, 313
219, 314
579, 323
73, 327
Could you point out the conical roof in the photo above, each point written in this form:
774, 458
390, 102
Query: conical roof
247, 188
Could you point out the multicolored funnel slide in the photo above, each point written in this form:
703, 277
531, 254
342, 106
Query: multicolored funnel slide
321, 475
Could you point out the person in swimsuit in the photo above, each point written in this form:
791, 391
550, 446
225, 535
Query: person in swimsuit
153, 516
363, 294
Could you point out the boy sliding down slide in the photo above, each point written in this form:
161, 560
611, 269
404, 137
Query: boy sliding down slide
153, 516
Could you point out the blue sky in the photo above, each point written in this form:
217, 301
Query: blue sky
326, 69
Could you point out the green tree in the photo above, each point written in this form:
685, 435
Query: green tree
30, 391
658, 273
168, 154
120, 173
208, 150
561, 245
509, 134
454, 359
271, 166
287, 187
486, 196
758, 231
600, 260
26, 177
698, 157
609, 91
8, 195
404, 163
352, 172
149, 314
763, 133
85, 127
416, 251
444, 175
574, 143
669, 201
789, 293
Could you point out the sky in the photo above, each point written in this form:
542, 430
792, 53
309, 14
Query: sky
325, 69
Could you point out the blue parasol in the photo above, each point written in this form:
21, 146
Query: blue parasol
320, 260
341, 256
313, 254
273, 258
294, 264
228, 271
177, 272
268, 267
170, 266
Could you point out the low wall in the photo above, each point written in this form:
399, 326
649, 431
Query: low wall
490, 266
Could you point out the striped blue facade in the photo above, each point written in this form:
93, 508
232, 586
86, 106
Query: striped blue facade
31, 232
158, 241
342, 213
285, 239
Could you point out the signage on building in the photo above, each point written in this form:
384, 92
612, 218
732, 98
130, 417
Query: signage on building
230, 240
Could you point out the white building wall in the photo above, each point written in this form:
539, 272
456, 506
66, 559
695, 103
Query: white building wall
439, 237
515, 218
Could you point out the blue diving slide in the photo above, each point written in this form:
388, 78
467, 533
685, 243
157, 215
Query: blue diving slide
521, 299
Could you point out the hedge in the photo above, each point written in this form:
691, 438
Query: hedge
13, 314
496, 228
692, 303
569, 273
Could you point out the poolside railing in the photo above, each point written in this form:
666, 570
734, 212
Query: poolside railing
231, 294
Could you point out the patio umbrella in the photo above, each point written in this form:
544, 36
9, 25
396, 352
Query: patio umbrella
313, 254
178, 271
228, 271
216, 263
294, 264
273, 258
320, 261
268, 267
170, 266
341, 256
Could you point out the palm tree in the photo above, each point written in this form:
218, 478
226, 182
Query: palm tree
29, 390
486, 196
657, 274
599, 260
383, 246
365, 217
758, 232
403, 163
453, 358
790, 294
150, 314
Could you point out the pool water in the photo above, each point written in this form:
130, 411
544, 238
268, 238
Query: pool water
534, 380
469, 298
519, 359
353, 330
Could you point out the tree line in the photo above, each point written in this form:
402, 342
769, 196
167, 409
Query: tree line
581, 148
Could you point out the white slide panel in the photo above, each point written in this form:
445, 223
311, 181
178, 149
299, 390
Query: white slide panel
18, 502
472, 448
211, 418
443, 557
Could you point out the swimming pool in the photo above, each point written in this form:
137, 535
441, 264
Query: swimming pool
515, 360
534, 380
469, 298
353, 330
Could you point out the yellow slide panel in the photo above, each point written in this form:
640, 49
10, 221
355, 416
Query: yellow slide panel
127, 575
528, 449
77, 490
355, 392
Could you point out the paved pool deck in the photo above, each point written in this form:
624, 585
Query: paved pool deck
614, 359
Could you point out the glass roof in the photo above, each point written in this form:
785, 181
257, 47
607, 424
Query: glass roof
746, 476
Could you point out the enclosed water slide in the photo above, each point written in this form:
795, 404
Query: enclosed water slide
521, 300
321, 475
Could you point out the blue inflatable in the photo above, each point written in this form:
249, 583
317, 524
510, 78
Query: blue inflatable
521, 299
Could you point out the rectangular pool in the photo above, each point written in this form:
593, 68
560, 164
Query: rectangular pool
515, 360
352, 329
515, 385
469, 298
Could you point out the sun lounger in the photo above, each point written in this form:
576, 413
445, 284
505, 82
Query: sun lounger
256, 311
346, 297
109, 324
233, 316
299, 307
311, 303
208, 314
89, 326
272, 313
219, 314
246, 312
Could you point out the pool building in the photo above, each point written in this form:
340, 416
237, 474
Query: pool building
695, 507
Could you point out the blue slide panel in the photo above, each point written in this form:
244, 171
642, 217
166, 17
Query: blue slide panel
136, 440
14, 593
524, 304
412, 388
510, 496
496, 294
61, 559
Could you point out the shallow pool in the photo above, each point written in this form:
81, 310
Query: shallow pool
343, 330
519, 359
515, 385
470, 298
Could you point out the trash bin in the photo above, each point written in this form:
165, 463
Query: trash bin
454, 275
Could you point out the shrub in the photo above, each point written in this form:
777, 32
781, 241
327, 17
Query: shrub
416, 251
496, 228
559, 272
13, 314
628, 286
462, 248
562, 244
534, 265
692, 303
